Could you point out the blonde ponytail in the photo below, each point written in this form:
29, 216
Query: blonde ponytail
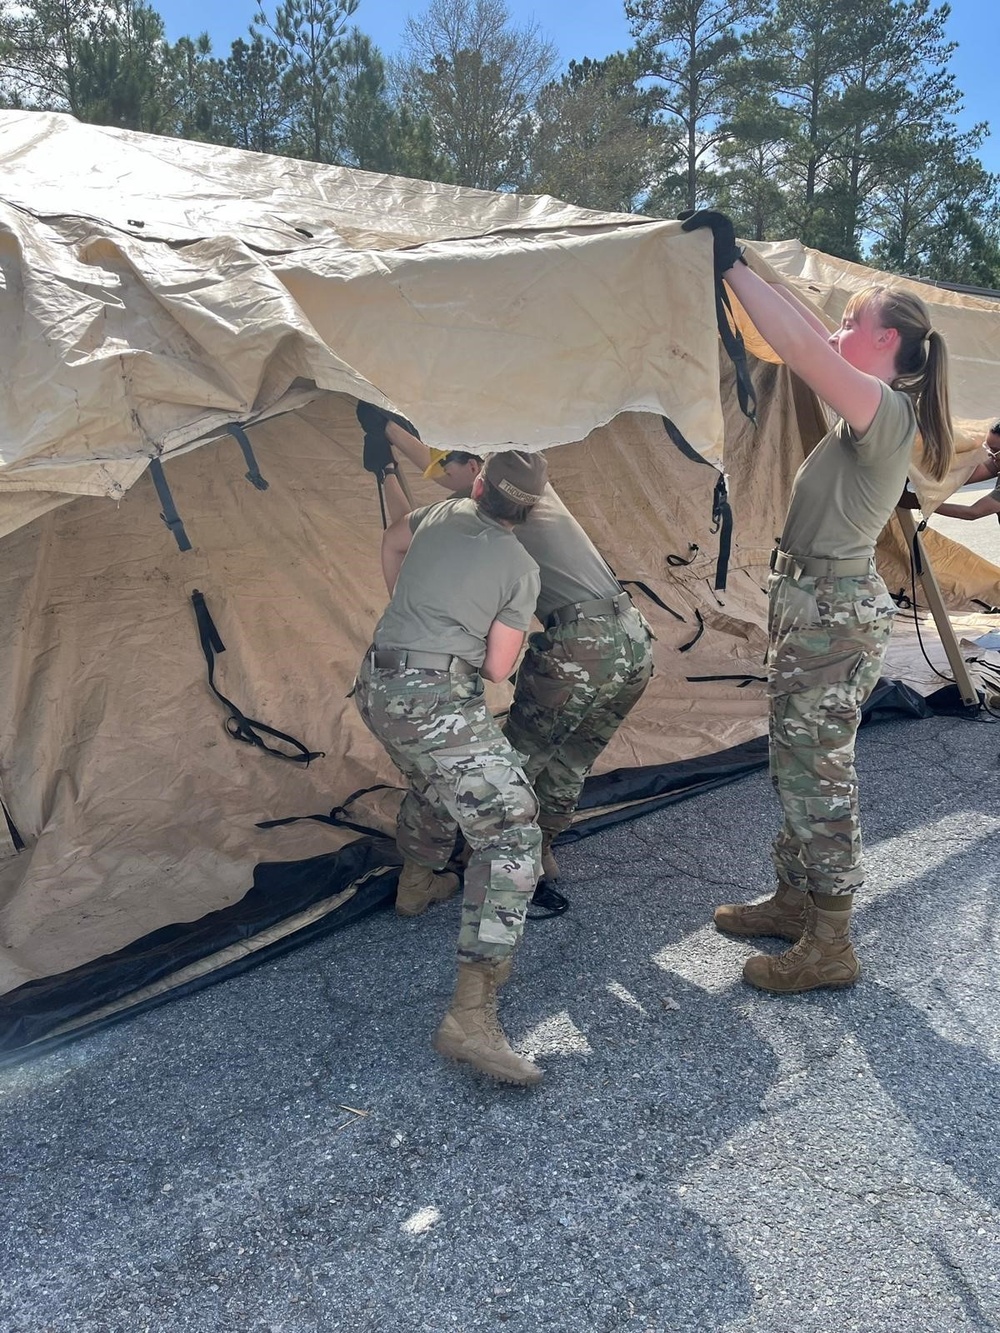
921, 370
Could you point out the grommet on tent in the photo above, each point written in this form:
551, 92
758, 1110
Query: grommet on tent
168, 510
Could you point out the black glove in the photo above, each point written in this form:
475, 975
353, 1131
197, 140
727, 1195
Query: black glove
373, 419
727, 252
376, 456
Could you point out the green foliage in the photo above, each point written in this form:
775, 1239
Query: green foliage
375, 134
690, 53
476, 78
308, 33
596, 141
255, 101
939, 215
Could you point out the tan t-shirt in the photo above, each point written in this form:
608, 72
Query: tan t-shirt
462, 572
570, 566
846, 489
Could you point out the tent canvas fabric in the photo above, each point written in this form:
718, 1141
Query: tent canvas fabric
156, 292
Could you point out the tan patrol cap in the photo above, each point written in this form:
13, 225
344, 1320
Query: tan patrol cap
520, 476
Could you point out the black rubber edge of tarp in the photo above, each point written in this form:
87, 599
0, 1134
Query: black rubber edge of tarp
283, 888
280, 890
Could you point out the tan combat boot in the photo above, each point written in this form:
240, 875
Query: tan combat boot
782, 915
550, 866
824, 956
471, 1030
419, 887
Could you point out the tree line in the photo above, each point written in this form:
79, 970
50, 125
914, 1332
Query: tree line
808, 118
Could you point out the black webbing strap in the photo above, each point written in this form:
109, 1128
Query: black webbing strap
744, 679
653, 597
15, 836
990, 610
916, 553
168, 510
732, 341
239, 726
337, 816
678, 561
243, 440
684, 647
722, 512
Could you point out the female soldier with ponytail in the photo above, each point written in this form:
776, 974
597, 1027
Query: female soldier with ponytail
884, 372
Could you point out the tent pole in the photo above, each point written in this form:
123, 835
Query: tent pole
929, 584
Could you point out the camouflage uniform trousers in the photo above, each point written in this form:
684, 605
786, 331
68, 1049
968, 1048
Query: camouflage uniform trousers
464, 775
575, 685
828, 638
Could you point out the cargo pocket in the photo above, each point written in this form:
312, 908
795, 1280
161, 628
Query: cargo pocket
878, 606
542, 682
793, 667
484, 792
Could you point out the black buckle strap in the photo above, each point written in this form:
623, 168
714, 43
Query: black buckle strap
238, 725
678, 561
722, 512
686, 647
337, 816
243, 440
653, 597
732, 341
168, 510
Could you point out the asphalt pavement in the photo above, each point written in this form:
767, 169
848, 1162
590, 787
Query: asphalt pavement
285, 1152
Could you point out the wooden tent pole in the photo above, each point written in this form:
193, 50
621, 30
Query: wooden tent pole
929, 584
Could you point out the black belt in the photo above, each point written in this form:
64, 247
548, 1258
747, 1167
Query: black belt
600, 606
402, 659
815, 567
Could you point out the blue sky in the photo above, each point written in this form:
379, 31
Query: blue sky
597, 27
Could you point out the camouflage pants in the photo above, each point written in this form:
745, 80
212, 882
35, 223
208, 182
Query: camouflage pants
828, 638
575, 685
463, 775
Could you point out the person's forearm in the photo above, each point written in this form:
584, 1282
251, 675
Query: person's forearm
396, 503
981, 472
408, 445
782, 323
955, 511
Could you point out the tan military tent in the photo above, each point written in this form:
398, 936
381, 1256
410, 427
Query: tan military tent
157, 294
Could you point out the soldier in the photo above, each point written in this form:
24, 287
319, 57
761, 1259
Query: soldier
588, 667
884, 371
462, 594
